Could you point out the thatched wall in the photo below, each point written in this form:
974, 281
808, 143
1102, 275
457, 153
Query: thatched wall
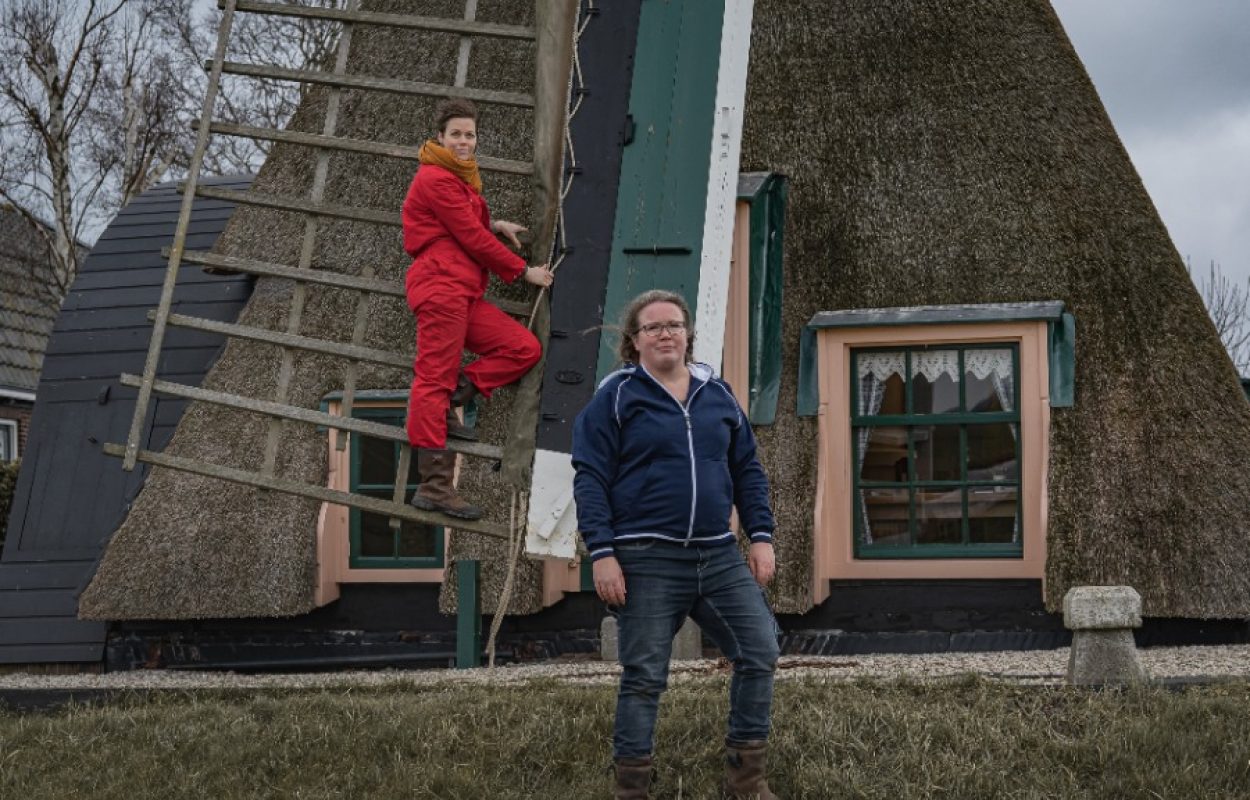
956, 152
193, 547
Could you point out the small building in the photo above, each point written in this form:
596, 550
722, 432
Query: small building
29, 302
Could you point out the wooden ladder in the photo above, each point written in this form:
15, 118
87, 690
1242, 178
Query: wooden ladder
554, 34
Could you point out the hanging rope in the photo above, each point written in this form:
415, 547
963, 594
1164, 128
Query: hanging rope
519, 504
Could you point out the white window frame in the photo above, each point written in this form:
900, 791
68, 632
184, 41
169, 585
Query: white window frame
8, 430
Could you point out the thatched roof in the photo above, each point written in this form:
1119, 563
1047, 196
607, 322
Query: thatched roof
29, 301
193, 547
956, 152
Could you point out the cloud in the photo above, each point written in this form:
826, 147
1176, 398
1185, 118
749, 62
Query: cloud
1173, 75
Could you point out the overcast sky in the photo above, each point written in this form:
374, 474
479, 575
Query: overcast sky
1175, 78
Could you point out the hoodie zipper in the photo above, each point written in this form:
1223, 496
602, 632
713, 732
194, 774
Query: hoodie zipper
694, 479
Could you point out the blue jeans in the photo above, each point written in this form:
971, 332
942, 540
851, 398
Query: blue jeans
665, 583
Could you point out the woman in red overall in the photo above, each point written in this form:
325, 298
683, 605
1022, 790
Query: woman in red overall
451, 238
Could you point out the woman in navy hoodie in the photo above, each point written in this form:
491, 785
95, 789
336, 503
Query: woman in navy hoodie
663, 453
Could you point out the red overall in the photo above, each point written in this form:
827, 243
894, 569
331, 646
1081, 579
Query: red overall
447, 232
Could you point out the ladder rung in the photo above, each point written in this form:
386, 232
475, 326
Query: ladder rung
323, 277
308, 343
362, 426
376, 84
460, 26
358, 146
302, 206
371, 504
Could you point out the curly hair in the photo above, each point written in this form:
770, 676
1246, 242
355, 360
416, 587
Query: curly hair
627, 352
453, 108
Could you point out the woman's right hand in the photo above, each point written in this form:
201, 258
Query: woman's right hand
539, 276
609, 581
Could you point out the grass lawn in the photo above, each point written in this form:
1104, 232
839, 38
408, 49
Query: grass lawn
965, 739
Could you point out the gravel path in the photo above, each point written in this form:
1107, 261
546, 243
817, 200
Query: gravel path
1031, 666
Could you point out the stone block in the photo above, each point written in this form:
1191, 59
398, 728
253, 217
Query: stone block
609, 639
687, 644
1104, 657
1093, 608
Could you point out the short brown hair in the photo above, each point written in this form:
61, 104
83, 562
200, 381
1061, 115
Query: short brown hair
453, 108
629, 322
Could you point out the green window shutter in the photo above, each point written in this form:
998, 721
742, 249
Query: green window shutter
658, 234
767, 197
373, 543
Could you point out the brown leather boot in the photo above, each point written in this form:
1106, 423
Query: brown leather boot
457, 429
464, 391
436, 492
744, 771
633, 778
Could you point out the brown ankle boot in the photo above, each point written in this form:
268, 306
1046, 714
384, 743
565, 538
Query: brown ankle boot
633, 778
464, 391
436, 492
457, 429
744, 771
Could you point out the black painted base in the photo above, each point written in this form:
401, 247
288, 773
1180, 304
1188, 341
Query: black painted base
399, 625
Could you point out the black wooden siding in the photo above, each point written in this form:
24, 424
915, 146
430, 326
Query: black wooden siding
71, 497
607, 62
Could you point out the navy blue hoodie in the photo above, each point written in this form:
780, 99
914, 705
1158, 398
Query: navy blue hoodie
650, 468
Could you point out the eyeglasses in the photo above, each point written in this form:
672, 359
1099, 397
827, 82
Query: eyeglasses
654, 329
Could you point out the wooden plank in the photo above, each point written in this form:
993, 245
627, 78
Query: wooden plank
365, 427
292, 340
555, 22
42, 574
52, 630
303, 206
325, 495
52, 653
412, 88
27, 603
405, 152
440, 24
184, 217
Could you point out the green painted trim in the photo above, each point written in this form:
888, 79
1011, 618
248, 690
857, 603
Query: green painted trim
393, 416
662, 197
1062, 353
468, 614
1061, 346
913, 485
766, 245
587, 575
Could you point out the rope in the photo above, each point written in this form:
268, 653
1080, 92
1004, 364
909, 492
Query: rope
520, 500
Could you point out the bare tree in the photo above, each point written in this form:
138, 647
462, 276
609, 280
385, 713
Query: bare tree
88, 115
294, 43
1229, 306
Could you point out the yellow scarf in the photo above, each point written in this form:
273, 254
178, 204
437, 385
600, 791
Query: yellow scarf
434, 153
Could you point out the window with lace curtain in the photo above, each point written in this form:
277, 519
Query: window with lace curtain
936, 438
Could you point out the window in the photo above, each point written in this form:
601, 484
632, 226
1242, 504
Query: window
373, 543
936, 448
8, 440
